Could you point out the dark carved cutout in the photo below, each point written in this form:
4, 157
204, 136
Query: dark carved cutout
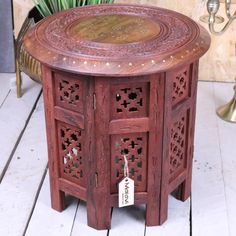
177, 146
134, 147
180, 86
69, 93
71, 153
130, 100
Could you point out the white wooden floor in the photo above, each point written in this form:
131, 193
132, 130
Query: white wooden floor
24, 188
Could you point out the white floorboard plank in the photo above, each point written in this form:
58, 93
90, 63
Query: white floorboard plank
178, 222
227, 136
19, 186
128, 221
80, 227
5, 85
13, 115
209, 208
51, 222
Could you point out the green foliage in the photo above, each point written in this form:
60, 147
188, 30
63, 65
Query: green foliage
48, 7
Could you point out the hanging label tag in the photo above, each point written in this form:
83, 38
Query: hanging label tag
126, 192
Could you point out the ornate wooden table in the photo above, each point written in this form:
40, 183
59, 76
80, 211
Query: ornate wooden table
119, 80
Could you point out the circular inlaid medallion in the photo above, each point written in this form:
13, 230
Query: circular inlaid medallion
116, 40
114, 29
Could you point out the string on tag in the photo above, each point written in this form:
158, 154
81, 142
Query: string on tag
126, 167
126, 187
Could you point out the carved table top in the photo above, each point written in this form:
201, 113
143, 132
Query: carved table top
116, 40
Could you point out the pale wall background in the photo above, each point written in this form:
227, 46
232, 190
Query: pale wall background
20, 11
218, 64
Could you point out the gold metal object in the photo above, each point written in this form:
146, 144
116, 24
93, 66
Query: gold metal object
228, 111
18, 79
29, 65
24, 62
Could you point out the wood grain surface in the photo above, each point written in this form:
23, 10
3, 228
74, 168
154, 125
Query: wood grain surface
72, 41
114, 29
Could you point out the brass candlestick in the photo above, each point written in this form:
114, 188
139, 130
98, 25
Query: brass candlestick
226, 112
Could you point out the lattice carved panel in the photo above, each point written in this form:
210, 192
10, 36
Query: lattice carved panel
181, 82
134, 146
69, 93
178, 147
70, 141
129, 100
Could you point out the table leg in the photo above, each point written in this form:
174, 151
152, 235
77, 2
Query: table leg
183, 191
57, 196
98, 195
98, 213
157, 84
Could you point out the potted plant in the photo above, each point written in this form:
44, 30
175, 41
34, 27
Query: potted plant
43, 8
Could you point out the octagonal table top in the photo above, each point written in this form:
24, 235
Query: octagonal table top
116, 40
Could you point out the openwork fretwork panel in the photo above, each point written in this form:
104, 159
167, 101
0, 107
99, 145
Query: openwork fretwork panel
129, 100
70, 141
178, 147
134, 146
69, 93
180, 85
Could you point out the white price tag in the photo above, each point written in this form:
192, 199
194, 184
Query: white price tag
126, 192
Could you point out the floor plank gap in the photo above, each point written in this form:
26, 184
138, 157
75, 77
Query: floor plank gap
190, 217
4, 99
5, 87
209, 208
22, 179
19, 139
221, 159
222, 145
36, 199
108, 231
77, 207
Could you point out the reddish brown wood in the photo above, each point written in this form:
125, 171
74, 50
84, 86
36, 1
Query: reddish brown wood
91, 155
181, 84
139, 100
127, 106
187, 184
177, 182
71, 153
57, 196
184, 190
156, 124
100, 216
73, 189
175, 40
69, 117
167, 108
69, 92
124, 126
134, 146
